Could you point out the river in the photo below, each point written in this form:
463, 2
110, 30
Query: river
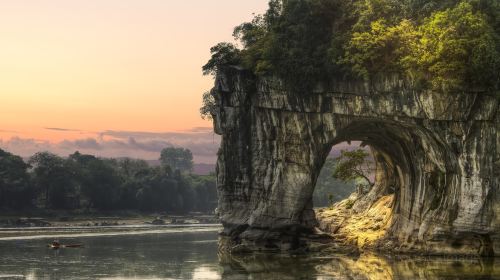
190, 252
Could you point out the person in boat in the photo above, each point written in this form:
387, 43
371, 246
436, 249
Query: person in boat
56, 243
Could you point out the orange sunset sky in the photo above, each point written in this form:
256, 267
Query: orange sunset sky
110, 77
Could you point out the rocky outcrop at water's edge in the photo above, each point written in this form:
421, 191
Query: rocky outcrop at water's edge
437, 155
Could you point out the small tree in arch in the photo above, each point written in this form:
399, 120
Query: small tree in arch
354, 165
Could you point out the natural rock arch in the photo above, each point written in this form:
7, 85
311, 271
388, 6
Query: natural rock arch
439, 153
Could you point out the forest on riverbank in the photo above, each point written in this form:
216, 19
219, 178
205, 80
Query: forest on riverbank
87, 183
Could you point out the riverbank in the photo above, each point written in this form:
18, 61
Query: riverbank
74, 235
72, 219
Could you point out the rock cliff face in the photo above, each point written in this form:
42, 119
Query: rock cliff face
439, 154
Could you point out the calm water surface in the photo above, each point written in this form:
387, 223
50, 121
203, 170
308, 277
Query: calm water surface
191, 253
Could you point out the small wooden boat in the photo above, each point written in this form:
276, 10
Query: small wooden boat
73, 246
53, 246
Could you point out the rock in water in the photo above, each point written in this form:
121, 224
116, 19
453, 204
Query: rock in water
437, 153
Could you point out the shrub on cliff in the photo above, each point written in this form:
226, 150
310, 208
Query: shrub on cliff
455, 49
449, 44
380, 49
222, 54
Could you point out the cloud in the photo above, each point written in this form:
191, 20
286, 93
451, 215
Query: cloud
25, 147
61, 129
150, 145
81, 144
203, 143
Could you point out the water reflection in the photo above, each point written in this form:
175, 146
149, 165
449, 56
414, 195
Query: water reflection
269, 267
167, 255
193, 255
366, 266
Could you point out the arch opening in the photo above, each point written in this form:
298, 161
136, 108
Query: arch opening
331, 188
409, 180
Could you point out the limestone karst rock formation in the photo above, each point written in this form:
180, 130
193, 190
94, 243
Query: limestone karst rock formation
438, 153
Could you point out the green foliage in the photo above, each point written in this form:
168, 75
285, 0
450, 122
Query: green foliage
177, 159
380, 49
370, 11
208, 107
87, 182
456, 48
98, 181
15, 188
55, 177
296, 46
222, 54
353, 165
451, 50
444, 45
206, 192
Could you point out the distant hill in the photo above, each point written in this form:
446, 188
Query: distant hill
203, 168
153, 162
198, 168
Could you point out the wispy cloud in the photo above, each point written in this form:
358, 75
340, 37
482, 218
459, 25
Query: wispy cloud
61, 129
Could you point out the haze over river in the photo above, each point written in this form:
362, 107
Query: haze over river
190, 252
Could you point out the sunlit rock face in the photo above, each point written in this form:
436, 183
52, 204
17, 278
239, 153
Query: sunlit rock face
438, 153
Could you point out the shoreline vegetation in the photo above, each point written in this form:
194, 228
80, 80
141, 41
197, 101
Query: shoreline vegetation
47, 185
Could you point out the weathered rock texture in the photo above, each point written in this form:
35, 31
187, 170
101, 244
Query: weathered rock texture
438, 153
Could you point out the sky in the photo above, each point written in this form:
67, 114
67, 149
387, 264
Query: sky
114, 78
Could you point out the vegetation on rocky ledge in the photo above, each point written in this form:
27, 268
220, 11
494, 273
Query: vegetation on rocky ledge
441, 45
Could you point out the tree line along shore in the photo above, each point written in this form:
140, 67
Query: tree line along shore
84, 184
